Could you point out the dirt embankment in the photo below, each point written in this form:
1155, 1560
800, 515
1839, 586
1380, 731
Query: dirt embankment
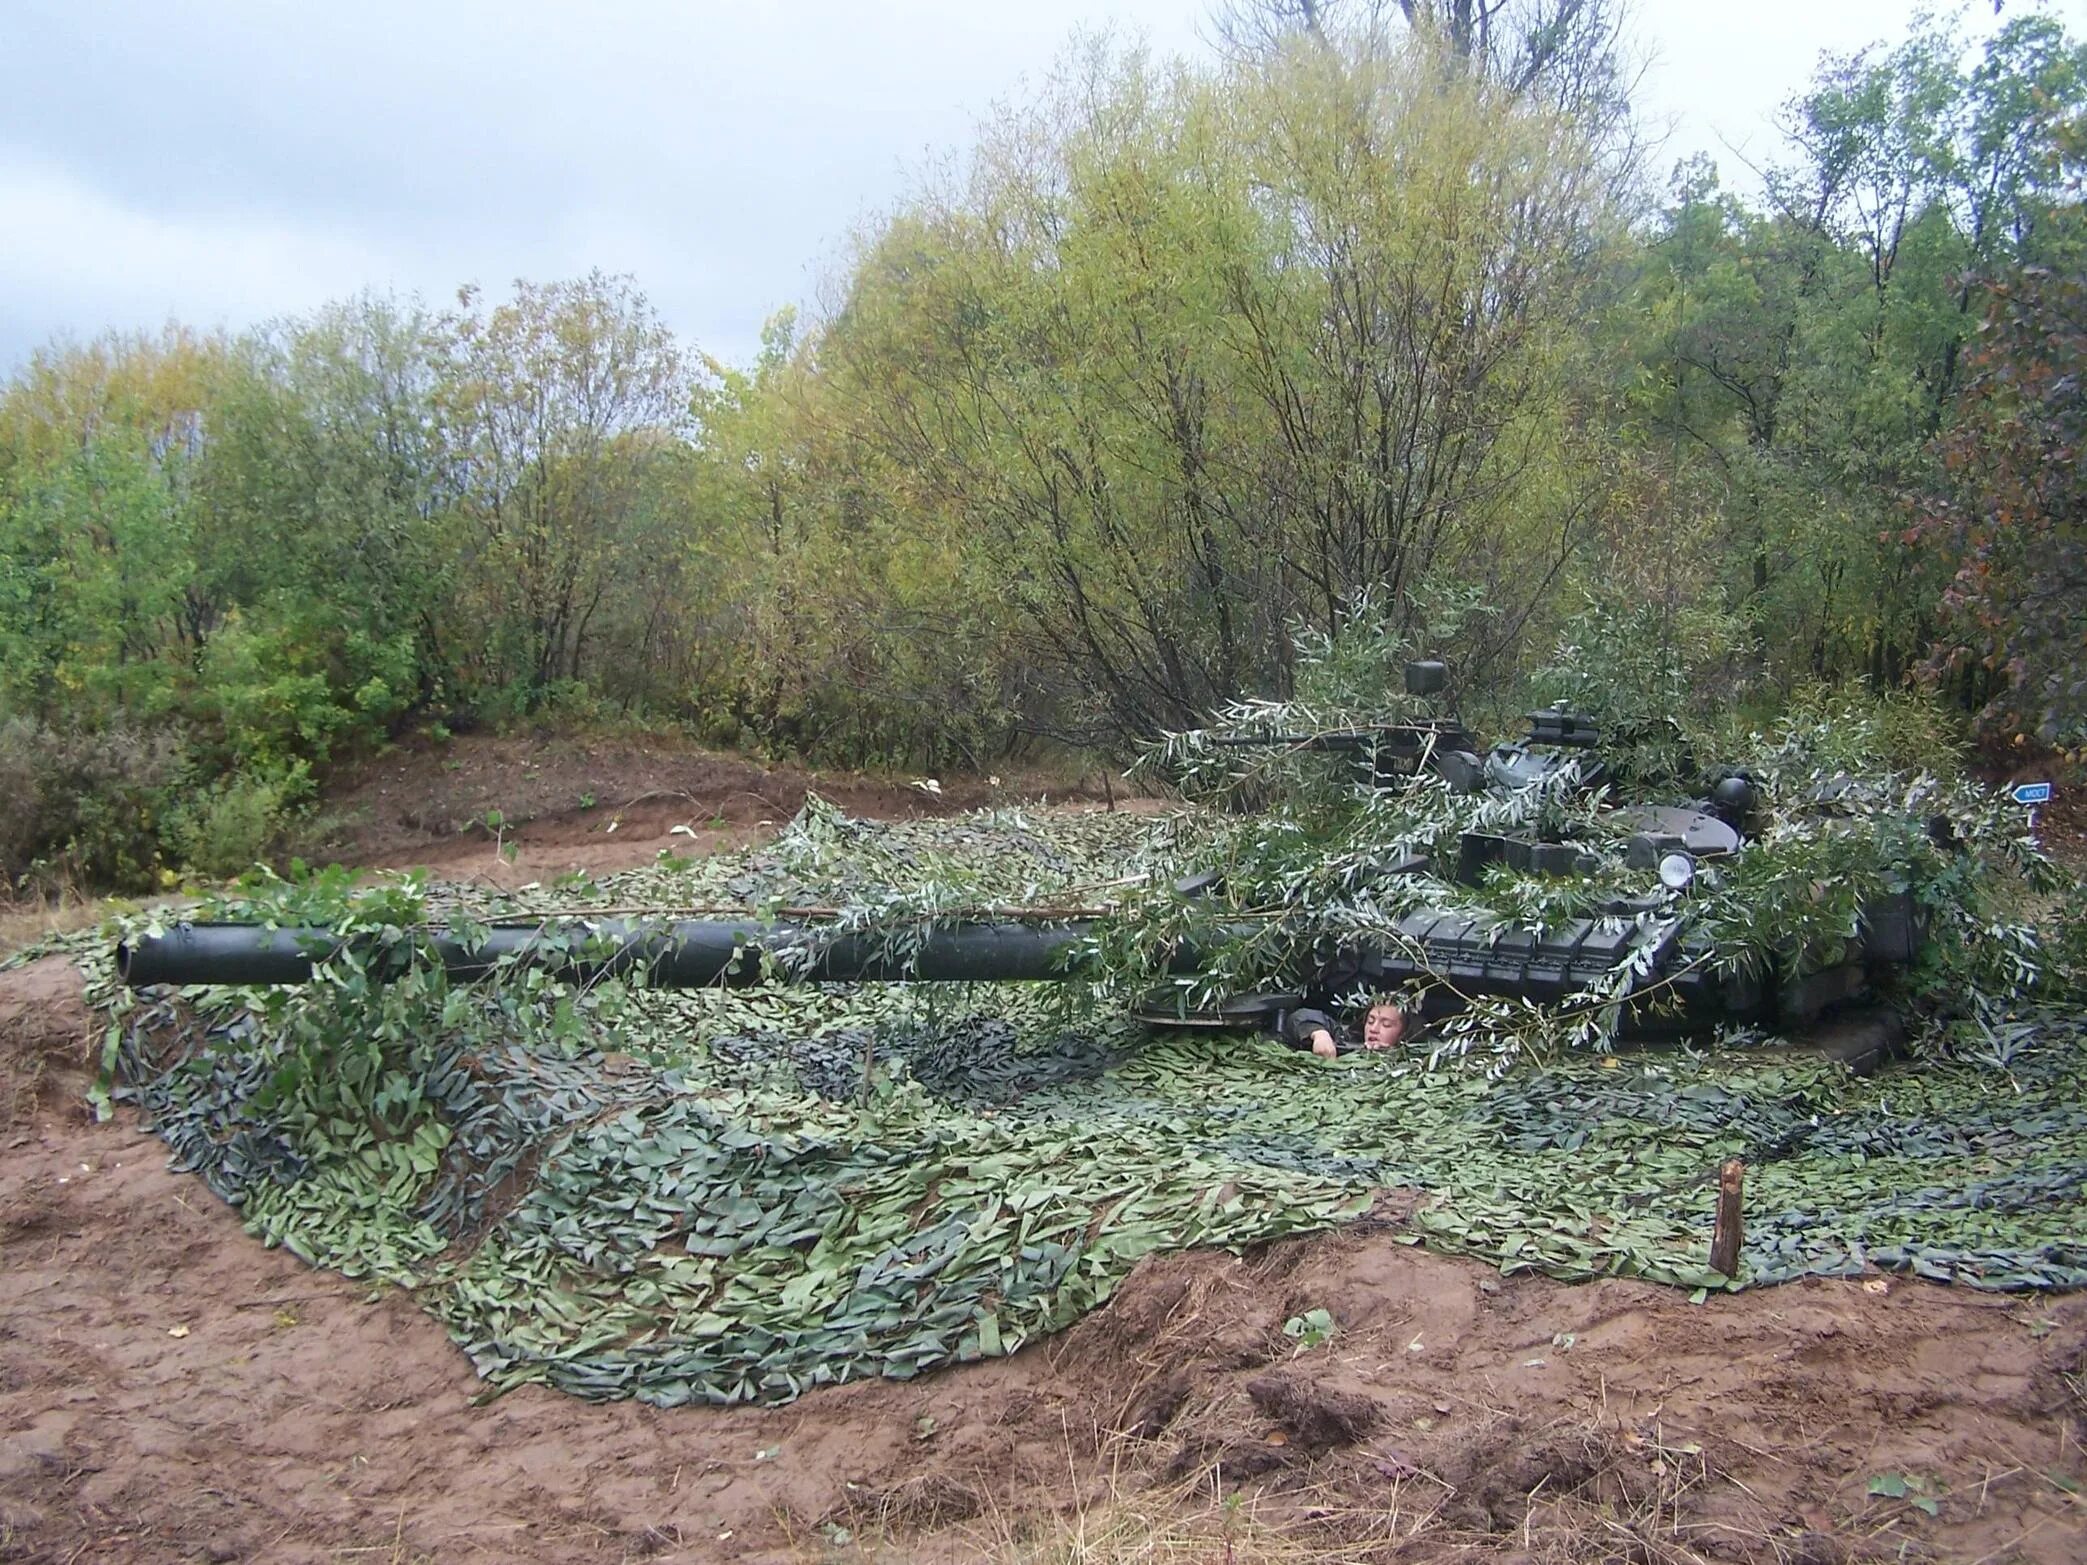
47, 1038
171, 1391
607, 804
2061, 826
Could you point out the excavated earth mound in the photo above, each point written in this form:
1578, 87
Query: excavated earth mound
46, 1030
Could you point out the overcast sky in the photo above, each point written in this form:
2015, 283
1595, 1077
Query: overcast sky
223, 163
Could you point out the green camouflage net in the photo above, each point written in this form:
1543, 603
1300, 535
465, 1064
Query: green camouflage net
696, 1196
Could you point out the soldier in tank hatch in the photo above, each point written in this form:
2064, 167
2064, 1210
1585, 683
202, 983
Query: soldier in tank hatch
1385, 1026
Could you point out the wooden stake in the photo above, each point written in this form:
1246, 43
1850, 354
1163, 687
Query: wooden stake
1731, 1199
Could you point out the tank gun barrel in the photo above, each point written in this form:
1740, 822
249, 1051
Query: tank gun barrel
681, 954
1346, 740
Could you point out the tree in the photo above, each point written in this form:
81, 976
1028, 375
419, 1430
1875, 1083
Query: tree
1190, 357
555, 406
2013, 518
98, 450
1566, 51
1808, 355
325, 530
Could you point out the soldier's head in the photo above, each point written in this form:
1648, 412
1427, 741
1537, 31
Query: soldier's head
1383, 1026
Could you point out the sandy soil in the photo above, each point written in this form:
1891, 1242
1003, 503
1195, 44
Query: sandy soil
172, 1391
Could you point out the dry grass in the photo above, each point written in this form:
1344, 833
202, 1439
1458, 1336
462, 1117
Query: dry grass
1563, 1494
1179, 1525
26, 921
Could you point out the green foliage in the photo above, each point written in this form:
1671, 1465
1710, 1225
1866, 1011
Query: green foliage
271, 695
1883, 772
1127, 365
565, 409
1850, 784
1646, 673
1910, 732
92, 564
224, 830
1806, 357
2065, 946
85, 808
1310, 1330
1920, 1493
324, 534
1186, 355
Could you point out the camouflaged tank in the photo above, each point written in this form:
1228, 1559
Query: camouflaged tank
1444, 956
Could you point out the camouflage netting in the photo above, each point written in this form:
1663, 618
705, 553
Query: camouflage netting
692, 1197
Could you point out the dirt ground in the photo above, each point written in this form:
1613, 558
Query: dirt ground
2061, 826
606, 804
172, 1391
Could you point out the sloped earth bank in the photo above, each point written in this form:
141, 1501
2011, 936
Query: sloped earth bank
565, 802
170, 1390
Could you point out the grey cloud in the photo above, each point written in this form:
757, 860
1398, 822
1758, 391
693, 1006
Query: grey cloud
225, 162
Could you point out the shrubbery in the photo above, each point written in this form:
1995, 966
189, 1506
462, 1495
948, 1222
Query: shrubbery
113, 809
226, 829
85, 808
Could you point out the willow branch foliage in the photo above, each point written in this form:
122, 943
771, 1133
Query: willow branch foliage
1860, 803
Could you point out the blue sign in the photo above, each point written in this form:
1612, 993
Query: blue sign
2032, 793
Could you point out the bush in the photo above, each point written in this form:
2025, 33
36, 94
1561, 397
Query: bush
85, 807
19, 820
1848, 727
226, 829
1647, 672
268, 689
2065, 939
